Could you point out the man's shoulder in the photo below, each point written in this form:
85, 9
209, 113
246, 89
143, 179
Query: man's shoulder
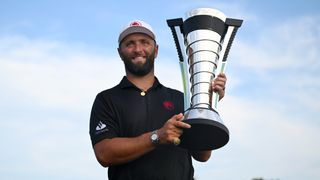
174, 93
109, 91
116, 88
171, 90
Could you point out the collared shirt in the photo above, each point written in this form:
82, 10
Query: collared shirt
126, 111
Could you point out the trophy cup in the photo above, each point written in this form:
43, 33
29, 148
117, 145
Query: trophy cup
203, 46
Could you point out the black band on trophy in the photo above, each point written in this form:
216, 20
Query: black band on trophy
196, 41
204, 22
199, 63
172, 23
234, 22
195, 52
229, 44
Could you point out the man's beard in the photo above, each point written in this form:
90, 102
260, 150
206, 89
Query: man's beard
140, 69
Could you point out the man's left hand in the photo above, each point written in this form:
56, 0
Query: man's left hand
219, 85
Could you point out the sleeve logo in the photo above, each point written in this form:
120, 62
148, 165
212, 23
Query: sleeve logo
100, 126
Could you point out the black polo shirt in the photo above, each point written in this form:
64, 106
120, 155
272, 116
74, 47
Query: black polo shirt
126, 111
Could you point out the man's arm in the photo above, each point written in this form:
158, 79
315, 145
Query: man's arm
201, 156
122, 150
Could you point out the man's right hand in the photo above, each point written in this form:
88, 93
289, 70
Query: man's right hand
120, 150
172, 129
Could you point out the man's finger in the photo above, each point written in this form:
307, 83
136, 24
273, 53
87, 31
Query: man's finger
178, 117
222, 75
181, 124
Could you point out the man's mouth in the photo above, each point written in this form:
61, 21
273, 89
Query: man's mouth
139, 58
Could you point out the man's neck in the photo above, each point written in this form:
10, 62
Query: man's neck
142, 82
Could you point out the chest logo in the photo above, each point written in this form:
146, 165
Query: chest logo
168, 105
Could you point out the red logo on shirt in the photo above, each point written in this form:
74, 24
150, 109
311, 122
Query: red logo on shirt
168, 105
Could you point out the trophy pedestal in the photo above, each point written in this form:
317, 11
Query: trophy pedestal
207, 131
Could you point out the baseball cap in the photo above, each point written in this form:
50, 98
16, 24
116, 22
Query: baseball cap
136, 26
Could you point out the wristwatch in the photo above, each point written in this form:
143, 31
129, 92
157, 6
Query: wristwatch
154, 137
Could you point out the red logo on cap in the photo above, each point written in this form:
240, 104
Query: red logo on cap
135, 23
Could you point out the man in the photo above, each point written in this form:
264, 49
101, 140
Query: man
135, 126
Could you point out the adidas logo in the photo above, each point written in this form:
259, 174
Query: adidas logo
100, 126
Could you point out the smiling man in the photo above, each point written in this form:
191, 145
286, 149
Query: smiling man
135, 126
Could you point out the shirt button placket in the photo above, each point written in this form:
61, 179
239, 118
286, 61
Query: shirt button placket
143, 93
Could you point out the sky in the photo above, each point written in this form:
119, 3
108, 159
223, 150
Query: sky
56, 55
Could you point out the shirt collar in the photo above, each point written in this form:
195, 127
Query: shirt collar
125, 83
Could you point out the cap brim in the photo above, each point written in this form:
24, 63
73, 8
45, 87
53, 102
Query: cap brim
135, 29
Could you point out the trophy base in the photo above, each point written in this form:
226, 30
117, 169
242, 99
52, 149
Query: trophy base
205, 133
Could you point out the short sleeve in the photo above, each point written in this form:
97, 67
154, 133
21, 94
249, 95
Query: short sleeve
103, 122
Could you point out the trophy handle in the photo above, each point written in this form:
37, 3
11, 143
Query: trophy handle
232, 27
176, 25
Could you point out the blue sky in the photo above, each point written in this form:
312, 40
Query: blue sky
55, 56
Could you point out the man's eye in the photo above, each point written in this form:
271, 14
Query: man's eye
145, 42
128, 44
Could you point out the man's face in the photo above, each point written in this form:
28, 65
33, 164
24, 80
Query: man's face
138, 52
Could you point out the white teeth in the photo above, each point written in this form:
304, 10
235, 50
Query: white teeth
138, 58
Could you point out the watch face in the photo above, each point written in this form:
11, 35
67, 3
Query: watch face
154, 137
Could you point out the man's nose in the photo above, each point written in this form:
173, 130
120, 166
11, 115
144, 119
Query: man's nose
138, 47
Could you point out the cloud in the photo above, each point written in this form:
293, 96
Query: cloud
270, 107
54, 74
290, 45
47, 91
283, 60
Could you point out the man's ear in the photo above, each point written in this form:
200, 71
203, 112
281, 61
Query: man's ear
156, 53
120, 53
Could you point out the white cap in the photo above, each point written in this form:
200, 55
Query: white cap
136, 26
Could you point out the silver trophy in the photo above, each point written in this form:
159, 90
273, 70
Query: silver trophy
203, 44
